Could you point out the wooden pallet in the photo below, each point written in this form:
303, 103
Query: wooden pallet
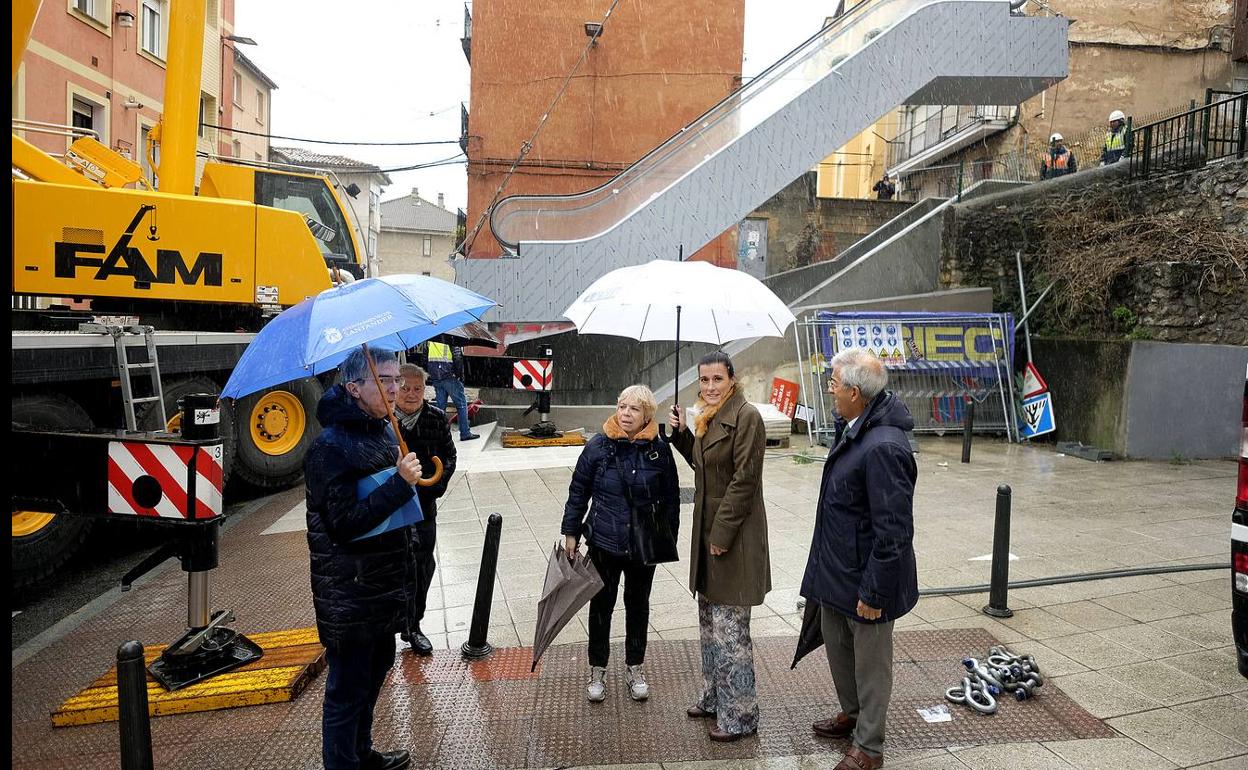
291, 660
514, 439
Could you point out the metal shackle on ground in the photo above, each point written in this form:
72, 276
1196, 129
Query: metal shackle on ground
1002, 671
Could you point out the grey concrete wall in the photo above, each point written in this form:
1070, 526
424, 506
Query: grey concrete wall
1088, 383
1184, 400
791, 284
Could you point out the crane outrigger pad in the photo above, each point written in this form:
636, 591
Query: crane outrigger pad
291, 660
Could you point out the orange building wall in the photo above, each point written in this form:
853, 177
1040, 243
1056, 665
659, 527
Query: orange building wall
104, 62
657, 65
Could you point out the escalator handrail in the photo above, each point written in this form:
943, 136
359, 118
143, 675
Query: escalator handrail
790, 58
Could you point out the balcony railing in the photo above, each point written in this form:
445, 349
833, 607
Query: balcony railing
943, 126
1218, 129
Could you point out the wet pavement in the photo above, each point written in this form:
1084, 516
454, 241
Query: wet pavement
1140, 671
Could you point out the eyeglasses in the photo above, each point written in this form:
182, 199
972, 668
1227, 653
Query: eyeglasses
386, 382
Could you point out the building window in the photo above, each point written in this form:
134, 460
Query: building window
207, 115
153, 27
259, 106
145, 146
83, 114
238, 90
426, 246
238, 149
87, 114
92, 9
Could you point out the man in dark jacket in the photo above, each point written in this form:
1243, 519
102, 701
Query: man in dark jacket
427, 433
861, 569
885, 189
359, 587
446, 375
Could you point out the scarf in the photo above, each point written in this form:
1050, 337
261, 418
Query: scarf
706, 413
613, 430
408, 421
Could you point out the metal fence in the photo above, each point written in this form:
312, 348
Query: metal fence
937, 363
1218, 129
1023, 164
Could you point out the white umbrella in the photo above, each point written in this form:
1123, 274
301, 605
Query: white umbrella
666, 300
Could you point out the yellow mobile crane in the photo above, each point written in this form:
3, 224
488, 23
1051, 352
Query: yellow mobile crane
205, 267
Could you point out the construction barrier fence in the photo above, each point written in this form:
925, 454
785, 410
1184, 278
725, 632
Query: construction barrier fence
938, 363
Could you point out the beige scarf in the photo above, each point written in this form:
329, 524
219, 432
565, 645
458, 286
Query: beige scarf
613, 430
702, 419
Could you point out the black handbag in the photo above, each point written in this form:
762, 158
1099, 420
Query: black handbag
651, 530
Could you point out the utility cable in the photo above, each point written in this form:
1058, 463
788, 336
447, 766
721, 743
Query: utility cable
1081, 577
227, 129
528, 146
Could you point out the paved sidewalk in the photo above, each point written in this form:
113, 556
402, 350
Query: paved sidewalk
1151, 656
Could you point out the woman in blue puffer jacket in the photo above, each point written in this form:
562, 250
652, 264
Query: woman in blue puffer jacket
628, 451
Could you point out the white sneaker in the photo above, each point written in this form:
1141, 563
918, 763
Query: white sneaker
637, 687
596, 690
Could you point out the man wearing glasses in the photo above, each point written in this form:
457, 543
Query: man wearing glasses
427, 433
359, 587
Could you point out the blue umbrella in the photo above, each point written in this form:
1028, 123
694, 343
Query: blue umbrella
393, 312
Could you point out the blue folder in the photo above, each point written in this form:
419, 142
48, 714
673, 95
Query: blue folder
406, 515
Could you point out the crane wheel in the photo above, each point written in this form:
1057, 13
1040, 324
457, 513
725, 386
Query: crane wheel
273, 431
42, 542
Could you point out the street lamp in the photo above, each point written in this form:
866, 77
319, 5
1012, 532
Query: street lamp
240, 39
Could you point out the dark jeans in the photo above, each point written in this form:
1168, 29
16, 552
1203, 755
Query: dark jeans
423, 549
638, 578
454, 389
354, 681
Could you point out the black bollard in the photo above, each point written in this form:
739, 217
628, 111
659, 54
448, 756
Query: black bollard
967, 427
477, 646
133, 721
998, 606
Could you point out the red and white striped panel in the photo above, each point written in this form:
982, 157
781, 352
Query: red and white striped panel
154, 480
532, 374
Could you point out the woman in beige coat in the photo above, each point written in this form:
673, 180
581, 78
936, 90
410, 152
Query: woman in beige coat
729, 567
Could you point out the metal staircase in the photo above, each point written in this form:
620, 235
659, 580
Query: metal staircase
726, 163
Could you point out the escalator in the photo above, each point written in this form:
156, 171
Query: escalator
727, 162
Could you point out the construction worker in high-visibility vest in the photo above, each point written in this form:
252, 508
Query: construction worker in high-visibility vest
1115, 138
446, 375
1059, 160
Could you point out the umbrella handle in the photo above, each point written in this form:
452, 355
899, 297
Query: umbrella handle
428, 481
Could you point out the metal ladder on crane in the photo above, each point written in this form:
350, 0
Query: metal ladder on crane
121, 336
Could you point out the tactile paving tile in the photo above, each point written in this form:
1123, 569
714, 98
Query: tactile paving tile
563, 743
450, 715
564, 660
505, 663
485, 745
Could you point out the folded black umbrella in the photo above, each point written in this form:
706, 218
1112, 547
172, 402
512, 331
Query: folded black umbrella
811, 636
568, 587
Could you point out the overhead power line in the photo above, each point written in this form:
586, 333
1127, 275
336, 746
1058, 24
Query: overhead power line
227, 129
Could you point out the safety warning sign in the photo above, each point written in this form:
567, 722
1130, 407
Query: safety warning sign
1038, 418
883, 338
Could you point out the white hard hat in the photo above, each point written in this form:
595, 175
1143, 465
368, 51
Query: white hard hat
1055, 138
1116, 115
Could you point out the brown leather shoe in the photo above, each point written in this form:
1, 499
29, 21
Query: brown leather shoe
697, 712
719, 735
839, 726
857, 759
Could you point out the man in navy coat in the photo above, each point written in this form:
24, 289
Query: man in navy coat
861, 571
